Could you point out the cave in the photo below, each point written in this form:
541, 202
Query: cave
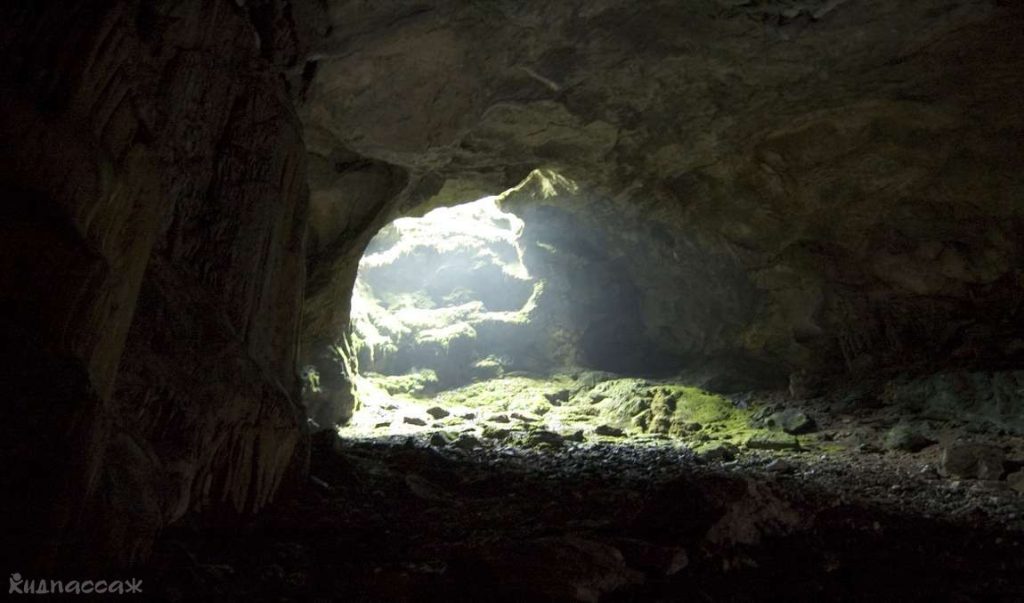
703, 300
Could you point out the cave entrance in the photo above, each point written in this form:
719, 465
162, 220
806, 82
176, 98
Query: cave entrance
437, 298
442, 303
517, 320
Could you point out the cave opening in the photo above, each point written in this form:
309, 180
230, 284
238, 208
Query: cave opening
440, 302
516, 320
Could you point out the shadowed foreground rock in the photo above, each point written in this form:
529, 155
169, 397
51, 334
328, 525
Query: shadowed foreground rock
608, 522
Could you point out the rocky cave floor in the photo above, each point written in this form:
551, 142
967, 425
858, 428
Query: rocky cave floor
867, 504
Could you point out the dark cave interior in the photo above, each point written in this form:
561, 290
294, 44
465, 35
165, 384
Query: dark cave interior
510, 300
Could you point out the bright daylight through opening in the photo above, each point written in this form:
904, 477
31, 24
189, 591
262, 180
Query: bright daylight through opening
474, 326
440, 302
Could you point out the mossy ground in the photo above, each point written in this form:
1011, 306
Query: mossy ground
516, 408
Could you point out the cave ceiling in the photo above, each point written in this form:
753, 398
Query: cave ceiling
853, 162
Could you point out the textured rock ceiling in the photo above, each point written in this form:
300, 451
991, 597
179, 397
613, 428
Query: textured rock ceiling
619, 92
855, 162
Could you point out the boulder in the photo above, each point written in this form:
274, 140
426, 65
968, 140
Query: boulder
973, 461
906, 438
792, 421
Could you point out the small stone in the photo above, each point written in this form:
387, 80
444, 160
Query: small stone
414, 421
803, 385
906, 438
608, 430
493, 433
772, 442
556, 398
544, 437
499, 418
320, 484
467, 442
524, 417
442, 438
469, 416
779, 466
437, 412
972, 460
792, 421
576, 436
721, 451
868, 448
1016, 481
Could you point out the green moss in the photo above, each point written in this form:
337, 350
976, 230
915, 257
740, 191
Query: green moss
829, 448
446, 336
645, 411
680, 411
418, 383
488, 368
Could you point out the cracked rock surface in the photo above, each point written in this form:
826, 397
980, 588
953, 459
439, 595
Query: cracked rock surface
822, 186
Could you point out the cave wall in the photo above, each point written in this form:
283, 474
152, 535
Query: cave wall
153, 267
836, 186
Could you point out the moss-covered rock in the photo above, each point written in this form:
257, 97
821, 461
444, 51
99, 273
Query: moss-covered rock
419, 383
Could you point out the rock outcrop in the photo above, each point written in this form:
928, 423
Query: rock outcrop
824, 187
153, 246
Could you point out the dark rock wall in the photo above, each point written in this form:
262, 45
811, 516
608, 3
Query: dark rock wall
153, 267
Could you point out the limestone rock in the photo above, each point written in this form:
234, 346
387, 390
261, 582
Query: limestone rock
719, 451
442, 438
538, 437
973, 461
609, 430
556, 398
1016, 481
467, 442
495, 433
792, 421
906, 438
770, 441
